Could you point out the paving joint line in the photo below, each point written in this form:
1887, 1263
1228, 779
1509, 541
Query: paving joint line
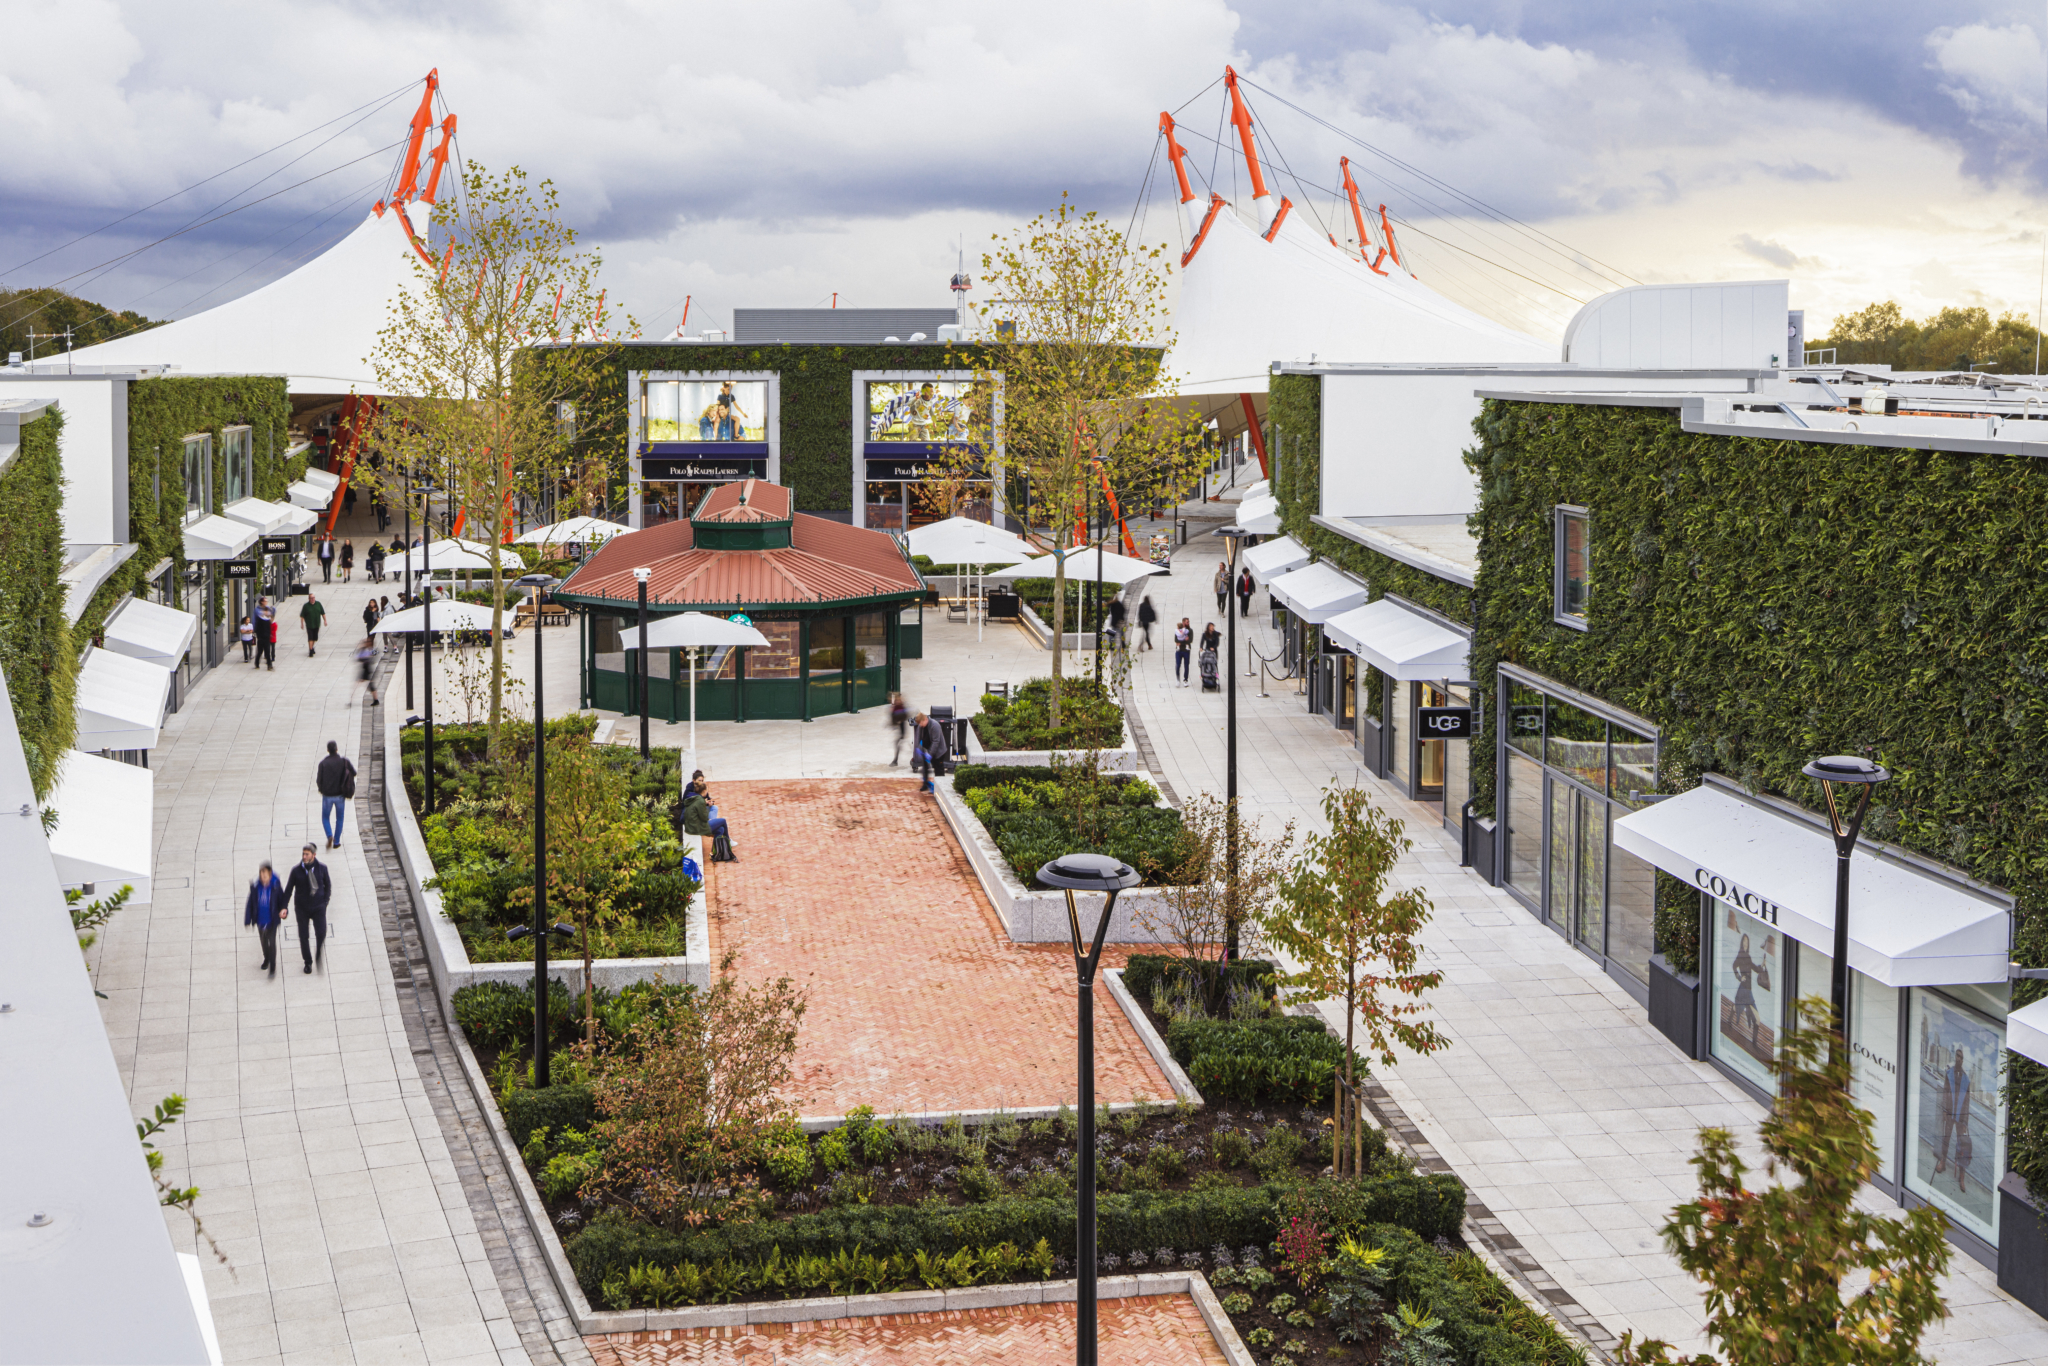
546, 1332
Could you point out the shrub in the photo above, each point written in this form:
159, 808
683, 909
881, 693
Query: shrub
557, 1108
565, 1173
1233, 1147
979, 1184
1278, 1153
1088, 718
1145, 973
1433, 1206
790, 1164
834, 1154
1287, 1060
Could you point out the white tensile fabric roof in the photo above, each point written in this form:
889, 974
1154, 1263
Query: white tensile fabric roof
102, 834
1246, 303
317, 326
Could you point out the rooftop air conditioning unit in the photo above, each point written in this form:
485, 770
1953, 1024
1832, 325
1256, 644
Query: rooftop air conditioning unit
713, 336
1877, 399
919, 336
951, 332
892, 339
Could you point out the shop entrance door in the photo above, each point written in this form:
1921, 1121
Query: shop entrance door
1575, 897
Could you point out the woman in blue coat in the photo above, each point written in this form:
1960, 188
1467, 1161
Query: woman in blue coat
265, 909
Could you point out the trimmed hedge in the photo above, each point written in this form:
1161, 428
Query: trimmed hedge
1289, 1059
1143, 972
1192, 1221
556, 1107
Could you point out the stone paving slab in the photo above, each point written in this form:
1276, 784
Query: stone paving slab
856, 889
1152, 1330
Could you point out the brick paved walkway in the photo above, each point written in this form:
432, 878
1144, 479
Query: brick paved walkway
1152, 1330
918, 1002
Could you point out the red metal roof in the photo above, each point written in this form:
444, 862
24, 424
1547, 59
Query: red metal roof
746, 500
826, 562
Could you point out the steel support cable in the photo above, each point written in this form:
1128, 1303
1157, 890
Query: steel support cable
380, 102
1570, 253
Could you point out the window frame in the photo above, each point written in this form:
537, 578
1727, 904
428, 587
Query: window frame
1562, 515
201, 506
238, 456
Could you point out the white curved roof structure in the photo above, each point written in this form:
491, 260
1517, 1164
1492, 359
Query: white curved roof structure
316, 326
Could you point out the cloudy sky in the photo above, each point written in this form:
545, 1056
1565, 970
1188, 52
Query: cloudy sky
776, 153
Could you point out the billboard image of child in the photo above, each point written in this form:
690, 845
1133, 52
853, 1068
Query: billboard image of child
705, 410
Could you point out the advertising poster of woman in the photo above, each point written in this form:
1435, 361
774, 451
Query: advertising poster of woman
1954, 1112
1749, 1002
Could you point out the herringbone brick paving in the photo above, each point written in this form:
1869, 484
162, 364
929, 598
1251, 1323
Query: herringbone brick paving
856, 889
1149, 1330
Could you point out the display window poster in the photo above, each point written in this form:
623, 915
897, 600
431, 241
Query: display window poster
705, 410
926, 410
1749, 987
1955, 1115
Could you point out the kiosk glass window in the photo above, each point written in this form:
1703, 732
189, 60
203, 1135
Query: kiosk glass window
1955, 1110
870, 640
711, 410
1429, 765
1747, 1009
198, 477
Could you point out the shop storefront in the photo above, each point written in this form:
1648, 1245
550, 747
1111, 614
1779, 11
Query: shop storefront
1928, 997
1404, 682
692, 431
1312, 595
1567, 766
919, 457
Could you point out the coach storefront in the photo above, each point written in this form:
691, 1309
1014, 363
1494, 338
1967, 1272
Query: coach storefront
691, 431
1928, 996
919, 439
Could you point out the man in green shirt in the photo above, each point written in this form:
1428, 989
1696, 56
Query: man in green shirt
312, 614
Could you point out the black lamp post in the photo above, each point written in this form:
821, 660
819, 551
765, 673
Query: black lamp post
427, 491
1849, 770
537, 585
1233, 536
1087, 873
640, 575
407, 596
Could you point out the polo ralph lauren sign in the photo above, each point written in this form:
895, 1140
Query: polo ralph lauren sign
1735, 894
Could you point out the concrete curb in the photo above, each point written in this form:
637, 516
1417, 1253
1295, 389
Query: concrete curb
450, 961
1156, 1046
1123, 759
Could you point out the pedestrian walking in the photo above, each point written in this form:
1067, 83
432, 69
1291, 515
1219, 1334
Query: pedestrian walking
383, 514
266, 634
899, 721
336, 779
1117, 611
1245, 587
371, 616
310, 616
311, 887
348, 501
326, 553
366, 661
264, 909
373, 562
247, 632
1147, 614
348, 559
1183, 644
1211, 637
1222, 586
930, 756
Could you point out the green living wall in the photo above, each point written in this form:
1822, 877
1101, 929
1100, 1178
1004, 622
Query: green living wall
1769, 601
161, 414
35, 639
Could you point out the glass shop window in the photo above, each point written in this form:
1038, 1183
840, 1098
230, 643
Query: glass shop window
1749, 1003
1955, 1110
198, 477
239, 449
870, 640
1575, 742
1573, 576
1631, 764
1525, 720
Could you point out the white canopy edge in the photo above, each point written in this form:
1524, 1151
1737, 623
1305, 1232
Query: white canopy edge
1317, 592
214, 537
309, 495
299, 521
1270, 559
573, 529
260, 513
686, 630
962, 540
151, 632
1081, 568
322, 479
120, 701
1907, 928
104, 822
2026, 1031
449, 615
1260, 516
1402, 644
449, 559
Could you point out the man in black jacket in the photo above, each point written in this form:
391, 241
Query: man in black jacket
1147, 614
310, 887
931, 749
336, 779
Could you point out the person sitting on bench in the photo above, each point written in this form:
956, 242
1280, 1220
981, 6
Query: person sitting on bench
700, 817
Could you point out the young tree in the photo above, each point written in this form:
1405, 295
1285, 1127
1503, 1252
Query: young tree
481, 408
1352, 939
1200, 904
1775, 1260
1075, 360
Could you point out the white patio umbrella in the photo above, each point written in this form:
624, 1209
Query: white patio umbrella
441, 556
449, 615
573, 529
693, 631
1081, 564
962, 540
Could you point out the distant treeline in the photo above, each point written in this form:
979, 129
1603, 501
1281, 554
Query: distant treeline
1953, 339
23, 311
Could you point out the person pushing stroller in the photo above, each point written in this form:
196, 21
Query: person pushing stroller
1211, 676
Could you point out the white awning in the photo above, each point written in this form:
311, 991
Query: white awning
1401, 644
1317, 593
120, 701
307, 494
1907, 928
265, 516
299, 520
151, 632
103, 830
323, 479
214, 537
2026, 1031
1270, 559
1260, 516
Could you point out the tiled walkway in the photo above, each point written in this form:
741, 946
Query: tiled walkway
855, 888
1564, 1111
1153, 1330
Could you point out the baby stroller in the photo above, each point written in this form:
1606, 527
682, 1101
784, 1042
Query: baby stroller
1209, 683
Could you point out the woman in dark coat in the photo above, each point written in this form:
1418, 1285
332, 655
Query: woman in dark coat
265, 909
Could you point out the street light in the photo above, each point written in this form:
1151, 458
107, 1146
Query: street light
640, 575
426, 492
1087, 873
536, 586
1850, 770
1233, 536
